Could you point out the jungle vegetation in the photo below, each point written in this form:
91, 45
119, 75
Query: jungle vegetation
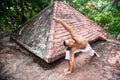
106, 13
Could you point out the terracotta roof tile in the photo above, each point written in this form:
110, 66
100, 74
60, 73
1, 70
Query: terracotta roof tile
43, 37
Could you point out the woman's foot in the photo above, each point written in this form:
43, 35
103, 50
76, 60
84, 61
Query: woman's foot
68, 72
67, 69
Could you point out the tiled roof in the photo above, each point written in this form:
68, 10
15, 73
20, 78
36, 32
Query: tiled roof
43, 37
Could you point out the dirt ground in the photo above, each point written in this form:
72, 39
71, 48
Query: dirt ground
16, 63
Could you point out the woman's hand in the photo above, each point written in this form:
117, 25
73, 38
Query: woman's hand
57, 20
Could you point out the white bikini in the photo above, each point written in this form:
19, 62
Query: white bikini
88, 49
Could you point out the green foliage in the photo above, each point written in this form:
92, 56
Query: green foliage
104, 19
103, 12
115, 28
106, 13
13, 13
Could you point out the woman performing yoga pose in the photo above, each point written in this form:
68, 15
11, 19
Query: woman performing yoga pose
76, 44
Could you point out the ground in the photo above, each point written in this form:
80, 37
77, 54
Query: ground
16, 63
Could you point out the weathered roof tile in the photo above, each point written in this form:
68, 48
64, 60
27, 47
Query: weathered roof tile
43, 37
